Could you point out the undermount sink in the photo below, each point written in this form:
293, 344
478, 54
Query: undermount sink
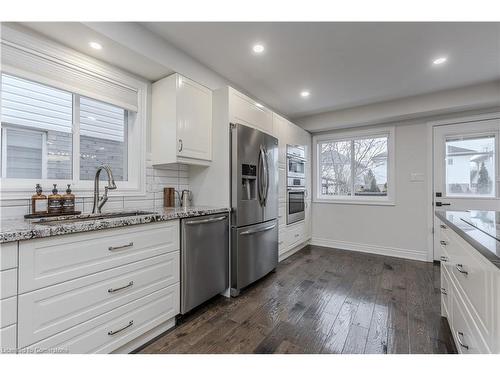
90, 217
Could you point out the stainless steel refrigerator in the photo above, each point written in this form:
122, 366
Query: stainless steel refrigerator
254, 203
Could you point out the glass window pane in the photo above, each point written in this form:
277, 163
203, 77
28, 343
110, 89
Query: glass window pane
370, 166
470, 166
335, 168
103, 139
37, 122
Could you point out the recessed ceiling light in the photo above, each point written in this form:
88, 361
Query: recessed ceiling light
258, 48
95, 45
305, 94
259, 105
440, 60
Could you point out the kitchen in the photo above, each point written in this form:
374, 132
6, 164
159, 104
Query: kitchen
159, 196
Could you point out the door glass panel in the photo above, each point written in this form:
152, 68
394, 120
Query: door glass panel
470, 166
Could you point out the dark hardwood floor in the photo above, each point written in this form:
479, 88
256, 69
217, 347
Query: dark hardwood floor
322, 300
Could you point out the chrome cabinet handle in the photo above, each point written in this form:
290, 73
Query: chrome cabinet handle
252, 231
443, 226
460, 268
443, 291
130, 324
181, 145
459, 336
443, 258
206, 221
113, 248
112, 290
444, 243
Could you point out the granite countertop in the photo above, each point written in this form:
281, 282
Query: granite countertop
481, 229
22, 229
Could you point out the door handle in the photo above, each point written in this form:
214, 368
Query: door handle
113, 248
206, 221
443, 291
444, 243
459, 339
460, 268
439, 204
180, 145
252, 231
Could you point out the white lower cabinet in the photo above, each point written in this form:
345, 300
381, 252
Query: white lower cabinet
8, 340
96, 292
469, 295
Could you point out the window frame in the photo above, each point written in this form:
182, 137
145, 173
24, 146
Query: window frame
12, 188
336, 136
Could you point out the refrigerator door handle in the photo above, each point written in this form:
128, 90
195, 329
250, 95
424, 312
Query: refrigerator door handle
252, 231
260, 176
266, 163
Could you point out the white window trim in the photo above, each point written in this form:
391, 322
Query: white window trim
136, 184
390, 199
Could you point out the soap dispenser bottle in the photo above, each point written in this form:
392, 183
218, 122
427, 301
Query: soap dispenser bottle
68, 201
55, 201
38, 201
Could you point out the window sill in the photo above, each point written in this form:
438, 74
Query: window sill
356, 202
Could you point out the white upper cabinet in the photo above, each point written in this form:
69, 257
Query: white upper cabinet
280, 127
246, 111
181, 122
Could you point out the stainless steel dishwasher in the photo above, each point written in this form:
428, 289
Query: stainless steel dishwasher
204, 259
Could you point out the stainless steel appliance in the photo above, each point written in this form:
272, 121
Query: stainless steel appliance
254, 203
296, 183
204, 259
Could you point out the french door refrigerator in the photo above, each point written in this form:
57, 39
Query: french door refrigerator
254, 203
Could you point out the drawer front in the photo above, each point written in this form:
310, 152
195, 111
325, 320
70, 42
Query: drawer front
8, 343
282, 240
8, 283
473, 278
8, 311
49, 261
134, 319
48, 311
446, 293
8, 255
296, 234
467, 337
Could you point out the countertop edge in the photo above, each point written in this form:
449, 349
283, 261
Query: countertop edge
41, 231
471, 241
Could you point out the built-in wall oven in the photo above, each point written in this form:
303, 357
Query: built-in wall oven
296, 183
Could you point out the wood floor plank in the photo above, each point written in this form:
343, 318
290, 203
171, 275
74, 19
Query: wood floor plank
322, 300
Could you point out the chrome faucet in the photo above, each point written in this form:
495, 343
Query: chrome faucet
99, 202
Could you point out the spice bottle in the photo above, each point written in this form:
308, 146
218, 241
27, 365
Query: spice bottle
38, 201
68, 201
55, 201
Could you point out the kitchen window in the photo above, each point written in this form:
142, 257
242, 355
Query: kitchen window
355, 167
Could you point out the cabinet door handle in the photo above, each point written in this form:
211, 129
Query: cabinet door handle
130, 324
180, 145
443, 258
460, 335
443, 226
443, 291
112, 290
113, 248
444, 243
460, 268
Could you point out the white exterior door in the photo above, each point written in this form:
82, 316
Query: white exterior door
194, 120
466, 168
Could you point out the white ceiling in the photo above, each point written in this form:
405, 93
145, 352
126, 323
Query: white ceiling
77, 36
342, 64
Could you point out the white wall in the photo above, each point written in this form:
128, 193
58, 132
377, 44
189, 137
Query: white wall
403, 229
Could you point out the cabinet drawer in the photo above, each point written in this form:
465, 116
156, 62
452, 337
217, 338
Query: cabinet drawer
282, 240
8, 255
446, 293
8, 311
128, 321
49, 261
8, 340
295, 234
8, 283
467, 337
47, 311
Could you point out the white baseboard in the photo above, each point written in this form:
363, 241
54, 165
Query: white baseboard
372, 249
292, 251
